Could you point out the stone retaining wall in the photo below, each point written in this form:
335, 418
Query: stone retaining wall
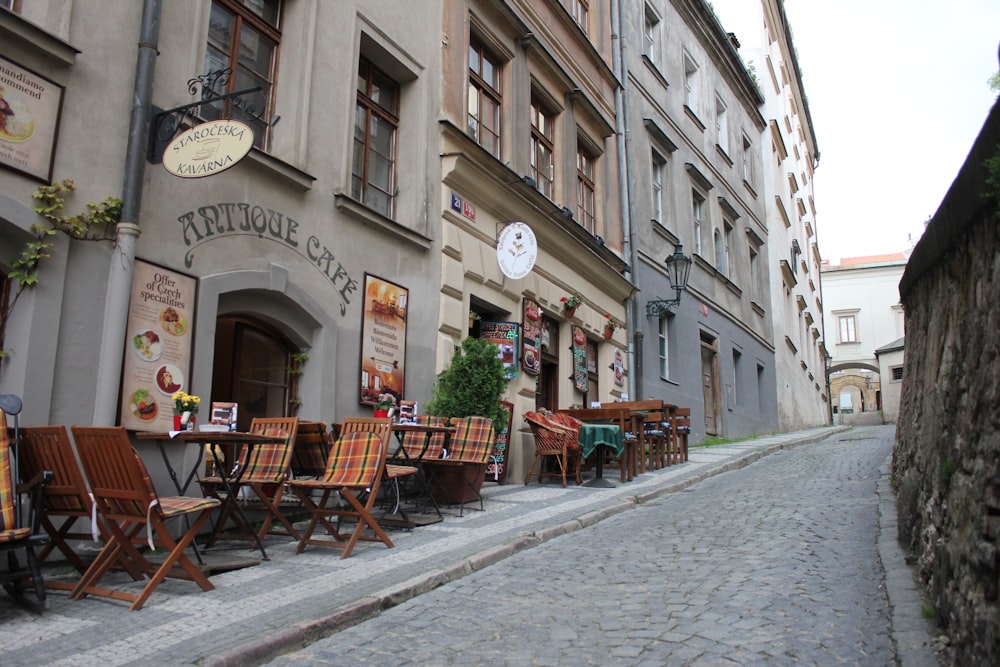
946, 463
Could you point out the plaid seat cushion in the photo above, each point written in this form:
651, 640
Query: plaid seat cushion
473, 440
16, 534
354, 460
394, 471
177, 505
8, 517
269, 461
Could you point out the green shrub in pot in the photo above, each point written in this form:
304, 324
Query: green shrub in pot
472, 385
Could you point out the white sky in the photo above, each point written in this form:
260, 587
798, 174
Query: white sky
898, 92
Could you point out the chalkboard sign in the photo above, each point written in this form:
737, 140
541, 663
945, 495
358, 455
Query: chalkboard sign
504, 335
496, 469
579, 349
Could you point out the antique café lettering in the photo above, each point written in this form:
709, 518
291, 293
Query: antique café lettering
209, 223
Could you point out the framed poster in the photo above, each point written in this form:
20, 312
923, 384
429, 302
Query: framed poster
504, 335
496, 469
579, 350
531, 337
157, 346
383, 339
29, 120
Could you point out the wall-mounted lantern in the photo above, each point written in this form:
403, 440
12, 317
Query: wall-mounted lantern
678, 270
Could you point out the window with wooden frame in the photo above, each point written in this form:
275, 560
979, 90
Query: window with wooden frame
659, 176
244, 35
581, 14
485, 97
376, 123
697, 218
542, 148
585, 188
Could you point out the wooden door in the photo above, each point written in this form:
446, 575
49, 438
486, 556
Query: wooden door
709, 388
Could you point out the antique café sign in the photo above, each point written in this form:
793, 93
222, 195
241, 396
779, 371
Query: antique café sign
208, 148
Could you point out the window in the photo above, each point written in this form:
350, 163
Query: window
720, 255
581, 13
691, 97
593, 393
664, 347
542, 166
754, 274
243, 35
585, 203
897, 373
373, 173
659, 173
697, 216
848, 328
748, 170
727, 240
721, 125
651, 35
485, 98
738, 397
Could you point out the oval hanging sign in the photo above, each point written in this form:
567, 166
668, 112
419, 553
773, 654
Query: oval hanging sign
208, 148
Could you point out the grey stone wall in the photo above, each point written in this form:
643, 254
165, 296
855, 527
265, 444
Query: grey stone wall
946, 463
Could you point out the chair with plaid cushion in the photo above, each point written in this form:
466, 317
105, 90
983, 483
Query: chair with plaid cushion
353, 473
263, 469
458, 479
392, 471
556, 437
15, 535
128, 503
312, 448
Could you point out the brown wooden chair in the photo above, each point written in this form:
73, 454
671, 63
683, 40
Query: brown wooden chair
645, 432
312, 448
554, 441
620, 417
382, 426
458, 479
354, 471
682, 428
16, 534
263, 469
418, 446
127, 501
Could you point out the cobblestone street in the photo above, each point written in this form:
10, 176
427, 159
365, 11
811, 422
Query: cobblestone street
774, 563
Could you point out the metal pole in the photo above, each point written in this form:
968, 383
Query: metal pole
109, 366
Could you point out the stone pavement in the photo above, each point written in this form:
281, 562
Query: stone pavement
259, 612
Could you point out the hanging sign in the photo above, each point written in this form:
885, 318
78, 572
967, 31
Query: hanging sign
29, 120
504, 335
531, 326
579, 349
517, 250
208, 148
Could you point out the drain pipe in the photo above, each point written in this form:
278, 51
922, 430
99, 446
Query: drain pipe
622, 129
109, 364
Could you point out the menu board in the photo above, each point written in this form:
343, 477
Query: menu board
496, 469
383, 339
157, 346
504, 335
531, 327
29, 120
579, 349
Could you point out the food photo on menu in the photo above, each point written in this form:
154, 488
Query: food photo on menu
173, 322
143, 405
147, 345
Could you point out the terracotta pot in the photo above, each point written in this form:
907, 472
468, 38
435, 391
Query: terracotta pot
569, 312
608, 333
381, 414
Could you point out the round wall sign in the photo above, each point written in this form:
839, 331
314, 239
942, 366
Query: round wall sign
208, 148
517, 250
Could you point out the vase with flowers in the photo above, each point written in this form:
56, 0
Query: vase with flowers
385, 405
571, 303
185, 408
610, 324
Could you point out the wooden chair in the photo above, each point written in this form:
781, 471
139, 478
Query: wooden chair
127, 501
418, 446
554, 440
263, 470
66, 500
620, 417
16, 535
682, 428
646, 432
354, 471
458, 479
312, 449
392, 471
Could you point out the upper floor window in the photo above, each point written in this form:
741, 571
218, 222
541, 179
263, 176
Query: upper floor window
754, 274
663, 340
848, 328
727, 239
586, 199
748, 171
542, 148
691, 84
581, 12
697, 217
244, 35
485, 98
721, 125
651, 35
659, 173
373, 172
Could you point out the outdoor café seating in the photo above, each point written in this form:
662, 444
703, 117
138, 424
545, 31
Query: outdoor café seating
353, 473
17, 535
128, 503
557, 448
599, 457
458, 479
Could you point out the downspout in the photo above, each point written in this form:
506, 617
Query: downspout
109, 364
625, 184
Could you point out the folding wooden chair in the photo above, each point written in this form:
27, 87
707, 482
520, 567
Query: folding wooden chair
66, 499
312, 449
264, 470
354, 471
557, 441
392, 472
458, 479
14, 535
128, 502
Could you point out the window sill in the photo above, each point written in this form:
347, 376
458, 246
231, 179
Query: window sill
655, 70
293, 176
16, 31
694, 116
367, 216
749, 188
723, 154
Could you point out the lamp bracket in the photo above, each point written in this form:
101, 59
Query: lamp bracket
660, 307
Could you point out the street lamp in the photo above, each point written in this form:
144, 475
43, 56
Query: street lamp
678, 270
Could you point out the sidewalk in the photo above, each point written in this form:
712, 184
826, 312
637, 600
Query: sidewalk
258, 612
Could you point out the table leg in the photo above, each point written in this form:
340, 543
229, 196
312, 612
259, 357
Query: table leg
182, 489
599, 481
231, 497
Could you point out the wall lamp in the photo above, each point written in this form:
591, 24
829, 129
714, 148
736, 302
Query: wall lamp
678, 270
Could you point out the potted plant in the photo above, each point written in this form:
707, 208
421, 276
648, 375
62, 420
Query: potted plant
472, 385
385, 405
610, 324
185, 408
571, 303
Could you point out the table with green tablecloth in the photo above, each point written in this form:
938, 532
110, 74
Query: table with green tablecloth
593, 436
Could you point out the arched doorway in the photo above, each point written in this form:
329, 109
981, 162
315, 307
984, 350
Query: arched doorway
251, 368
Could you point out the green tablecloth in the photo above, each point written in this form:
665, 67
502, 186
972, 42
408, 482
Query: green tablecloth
609, 435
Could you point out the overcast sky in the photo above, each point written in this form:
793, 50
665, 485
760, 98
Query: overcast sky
898, 93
